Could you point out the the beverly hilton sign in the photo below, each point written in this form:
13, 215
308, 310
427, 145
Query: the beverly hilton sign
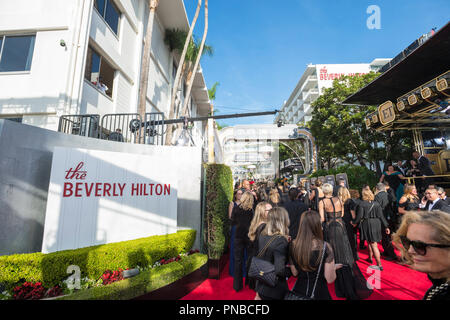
98, 197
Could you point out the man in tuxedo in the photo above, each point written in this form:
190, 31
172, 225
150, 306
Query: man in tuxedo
382, 198
443, 196
295, 208
424, 165
432, 201
399, 167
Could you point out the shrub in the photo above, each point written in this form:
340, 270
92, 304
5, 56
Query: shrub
219, 194
51, 269
144, 282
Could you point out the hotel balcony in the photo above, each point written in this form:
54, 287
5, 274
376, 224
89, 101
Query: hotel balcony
310, 82
311, 95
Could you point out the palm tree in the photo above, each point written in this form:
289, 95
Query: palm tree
177, 77
191, 76
212, 96
143, 83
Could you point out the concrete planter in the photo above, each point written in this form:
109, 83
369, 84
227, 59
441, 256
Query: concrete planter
178, 289
216, 266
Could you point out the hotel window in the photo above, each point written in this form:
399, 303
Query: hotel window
16, 119
108, 10
16, 53
99, 72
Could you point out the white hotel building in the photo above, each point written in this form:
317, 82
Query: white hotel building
297, 109
52, 53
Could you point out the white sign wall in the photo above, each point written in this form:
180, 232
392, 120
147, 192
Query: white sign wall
97, 197
327, 73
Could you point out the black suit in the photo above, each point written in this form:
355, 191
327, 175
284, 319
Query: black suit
383, 199
447, 200
277, 254
439, 205
424, 166
295, 209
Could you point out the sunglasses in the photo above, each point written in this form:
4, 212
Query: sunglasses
420, 247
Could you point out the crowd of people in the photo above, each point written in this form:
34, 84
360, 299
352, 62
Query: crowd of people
310, 232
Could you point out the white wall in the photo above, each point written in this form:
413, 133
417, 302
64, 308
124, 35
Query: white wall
44, 88
55, 84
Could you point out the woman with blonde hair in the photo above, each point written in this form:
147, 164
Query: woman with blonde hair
241, 217
275, 235
256, 226
423, 239
274, 198
410, 200
350, 283
371, 219
316, 195
349, 207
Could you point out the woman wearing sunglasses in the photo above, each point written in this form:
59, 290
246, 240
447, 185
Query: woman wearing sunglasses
424, 241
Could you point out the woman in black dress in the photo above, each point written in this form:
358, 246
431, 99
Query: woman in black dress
256, 226
276, 231
234, 204
349, 205
410, 200
241, 217
350, 282
316, 195
371, 219
304, 258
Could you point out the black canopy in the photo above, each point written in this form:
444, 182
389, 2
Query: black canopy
427, 61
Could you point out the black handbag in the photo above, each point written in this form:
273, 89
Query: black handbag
262, 270
291, 295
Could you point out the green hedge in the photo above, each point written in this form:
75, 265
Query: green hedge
144, 282
51, 269
219, 194
357, 175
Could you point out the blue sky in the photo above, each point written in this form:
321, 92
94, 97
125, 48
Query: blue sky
262, 47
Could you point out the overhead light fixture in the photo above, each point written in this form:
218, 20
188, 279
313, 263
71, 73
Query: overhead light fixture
401, 104
413, 99
442, 84
428, 92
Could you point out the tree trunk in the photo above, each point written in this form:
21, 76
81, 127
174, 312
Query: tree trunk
177, 77
143, 82
197, 62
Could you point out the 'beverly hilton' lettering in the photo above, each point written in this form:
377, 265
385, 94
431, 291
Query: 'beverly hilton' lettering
100, 189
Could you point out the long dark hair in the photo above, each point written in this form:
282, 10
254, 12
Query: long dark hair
310, 229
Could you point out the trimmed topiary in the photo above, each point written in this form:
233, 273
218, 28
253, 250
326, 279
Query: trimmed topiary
51, 269
143, 283
219, 194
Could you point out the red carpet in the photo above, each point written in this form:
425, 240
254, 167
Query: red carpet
398, 282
